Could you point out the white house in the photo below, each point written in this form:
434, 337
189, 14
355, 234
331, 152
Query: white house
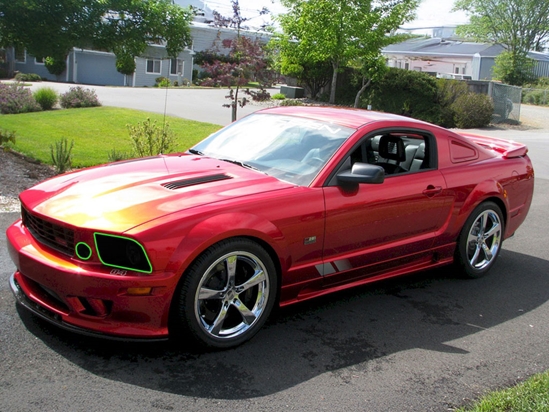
450, 57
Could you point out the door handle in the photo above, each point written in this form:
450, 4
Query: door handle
432, 190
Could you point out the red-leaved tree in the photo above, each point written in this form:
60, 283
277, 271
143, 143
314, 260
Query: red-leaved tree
245, 61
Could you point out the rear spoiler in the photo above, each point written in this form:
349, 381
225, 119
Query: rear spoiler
506, 148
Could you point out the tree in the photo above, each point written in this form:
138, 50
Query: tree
369, 68
237, 20
520, 25
130, 26
49, 29
245, 61
312, 74
408, 93
514, 68
338, 31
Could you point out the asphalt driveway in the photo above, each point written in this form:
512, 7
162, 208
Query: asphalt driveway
427, 342
203, 105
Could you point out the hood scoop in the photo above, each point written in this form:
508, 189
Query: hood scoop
179, 184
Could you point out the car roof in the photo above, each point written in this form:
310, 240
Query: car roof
342, 116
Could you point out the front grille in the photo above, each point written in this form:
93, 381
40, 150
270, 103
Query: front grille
55, 236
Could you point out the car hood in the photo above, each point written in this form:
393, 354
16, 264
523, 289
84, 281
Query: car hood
119, 196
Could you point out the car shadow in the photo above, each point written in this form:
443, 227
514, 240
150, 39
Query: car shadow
358, 328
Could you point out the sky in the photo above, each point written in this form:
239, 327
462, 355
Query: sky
430, 12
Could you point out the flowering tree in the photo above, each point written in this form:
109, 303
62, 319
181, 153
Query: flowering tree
244, 62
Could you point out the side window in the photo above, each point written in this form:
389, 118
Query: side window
20, 55
397, 152
154, 66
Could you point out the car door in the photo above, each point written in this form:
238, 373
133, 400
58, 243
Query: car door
371, 228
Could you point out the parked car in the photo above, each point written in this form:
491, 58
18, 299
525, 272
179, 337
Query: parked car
453, 76
285, 205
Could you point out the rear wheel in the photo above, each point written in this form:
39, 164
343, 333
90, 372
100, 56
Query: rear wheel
227, 294
480, 240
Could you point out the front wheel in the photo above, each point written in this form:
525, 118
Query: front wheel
480, 240
227, 294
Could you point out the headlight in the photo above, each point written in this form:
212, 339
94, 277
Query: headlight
122, 252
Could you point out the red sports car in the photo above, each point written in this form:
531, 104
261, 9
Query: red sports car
284, 205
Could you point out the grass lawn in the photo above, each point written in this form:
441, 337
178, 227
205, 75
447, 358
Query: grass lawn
529, 396
96, 132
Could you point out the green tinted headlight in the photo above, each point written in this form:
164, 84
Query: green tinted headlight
122, 252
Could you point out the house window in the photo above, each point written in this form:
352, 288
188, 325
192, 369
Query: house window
176, 66
407, 66
456, 70
38, 60
153, 66
20, 55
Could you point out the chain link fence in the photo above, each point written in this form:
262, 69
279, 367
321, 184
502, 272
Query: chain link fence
507, 100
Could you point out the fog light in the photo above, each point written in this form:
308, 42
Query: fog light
83, 251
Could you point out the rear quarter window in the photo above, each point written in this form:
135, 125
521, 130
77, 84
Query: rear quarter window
462, 152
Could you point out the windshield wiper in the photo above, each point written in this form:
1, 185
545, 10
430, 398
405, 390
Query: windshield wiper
239, 163
195, 152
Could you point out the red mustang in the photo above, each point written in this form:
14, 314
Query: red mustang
284, 205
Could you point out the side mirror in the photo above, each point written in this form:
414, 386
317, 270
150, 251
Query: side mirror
362, 173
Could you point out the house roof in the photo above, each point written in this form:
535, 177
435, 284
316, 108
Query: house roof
443, 47
539, 56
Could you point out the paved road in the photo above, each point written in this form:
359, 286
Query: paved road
421, 343
203, 105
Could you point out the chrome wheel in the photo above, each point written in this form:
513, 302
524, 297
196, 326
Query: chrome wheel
225, 296
232, 295
480, 239
484, 240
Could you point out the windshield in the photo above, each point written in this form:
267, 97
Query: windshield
289, 148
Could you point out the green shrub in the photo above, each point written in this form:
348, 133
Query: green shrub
46, 97
149, 139
406, 92
472, 110
7, 139
448, 92
125, 64
291, 102
115, 156
27, 77
61, 155
15, 98
162, 82
278, 96
79, 97
55, 66
538, 97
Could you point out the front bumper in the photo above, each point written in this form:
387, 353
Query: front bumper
87, 300
57, 320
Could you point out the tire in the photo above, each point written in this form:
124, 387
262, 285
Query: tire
480, 240
226, 296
